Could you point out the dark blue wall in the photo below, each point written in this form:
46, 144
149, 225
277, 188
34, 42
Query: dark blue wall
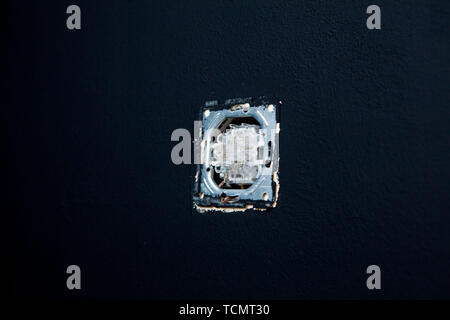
365, 153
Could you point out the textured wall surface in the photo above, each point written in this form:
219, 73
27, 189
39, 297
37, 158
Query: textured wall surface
365, 148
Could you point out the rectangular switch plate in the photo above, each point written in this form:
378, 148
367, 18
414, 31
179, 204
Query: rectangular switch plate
239, 154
